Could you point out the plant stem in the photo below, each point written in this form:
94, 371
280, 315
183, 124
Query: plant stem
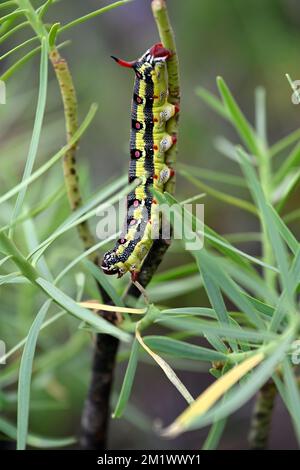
160, 13
265, 177
69, 98
262, 413
262, 416
160, 246
95, 415
33, 18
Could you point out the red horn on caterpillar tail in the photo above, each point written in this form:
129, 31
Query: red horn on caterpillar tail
124, 63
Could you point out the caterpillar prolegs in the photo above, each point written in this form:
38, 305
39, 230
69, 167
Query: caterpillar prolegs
149, 141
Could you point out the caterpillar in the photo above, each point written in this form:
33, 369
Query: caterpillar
150, 110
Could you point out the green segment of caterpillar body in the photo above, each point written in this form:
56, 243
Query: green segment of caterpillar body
148, 143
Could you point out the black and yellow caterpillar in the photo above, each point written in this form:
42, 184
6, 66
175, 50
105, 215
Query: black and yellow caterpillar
148, 143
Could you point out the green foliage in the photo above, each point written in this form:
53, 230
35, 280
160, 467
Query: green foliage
247, 304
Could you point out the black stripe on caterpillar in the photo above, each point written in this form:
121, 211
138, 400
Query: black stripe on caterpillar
149, 141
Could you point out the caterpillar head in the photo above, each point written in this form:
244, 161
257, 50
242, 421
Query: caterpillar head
145, 65
108, 263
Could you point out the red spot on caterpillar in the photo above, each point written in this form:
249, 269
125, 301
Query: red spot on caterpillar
124, 63
155, 147
177, 108
158, 50
174, 139
172, 173
155, 120
122, 241
137, 125
134, 276
154, 201
136, 203
155, 177
132, 222
155, 97
137, 153
139, 99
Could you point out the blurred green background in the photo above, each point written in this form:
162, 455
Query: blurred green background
250, 43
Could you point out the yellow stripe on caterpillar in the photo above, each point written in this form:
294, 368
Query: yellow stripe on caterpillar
148, 143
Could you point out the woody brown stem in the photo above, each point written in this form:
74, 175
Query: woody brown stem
96, 411
262, 416
95, 415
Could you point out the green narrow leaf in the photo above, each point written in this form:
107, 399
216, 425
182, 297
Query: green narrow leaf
282, 193
241, 124
241, 394
213, 102
17, 65
292, 393
37, 129
284, 143
283, 304
175, 288
34, 440
228, 286
211, 175
13, 30
175, 273
81, 257
12, 16
227, 149
214, 435
201, 311
267, 216
216, 300
176, 348
218, 242
128, 381
260, 114
224, 197
32, 241
93, 14
7, 4
34, 176
252, 282
202, 327
39, 250
215, 296
25, 376
285, 232
42, 10
98, 274
52, 34
21, 343
83, 314
18, 47
290, 163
